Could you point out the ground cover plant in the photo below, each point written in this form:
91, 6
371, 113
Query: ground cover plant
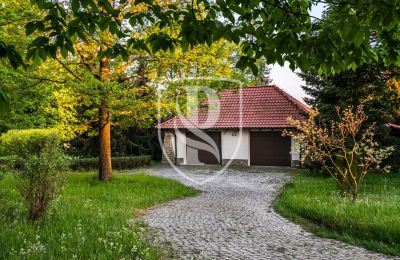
373, 221
90, 220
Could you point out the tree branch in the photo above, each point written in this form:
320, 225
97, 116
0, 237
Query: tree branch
68, 69
13, 21
46, 79
290, 10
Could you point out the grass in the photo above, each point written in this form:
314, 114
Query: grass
91, 220
372, 222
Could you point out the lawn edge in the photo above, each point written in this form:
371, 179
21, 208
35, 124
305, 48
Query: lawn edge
322, 231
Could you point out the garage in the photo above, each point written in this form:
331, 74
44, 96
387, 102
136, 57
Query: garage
269, 148
199, 151
244, 133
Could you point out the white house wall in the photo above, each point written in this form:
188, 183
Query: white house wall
295, 152
180, 147
235, 146
232, 147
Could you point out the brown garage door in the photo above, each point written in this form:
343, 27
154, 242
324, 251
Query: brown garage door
208, 155
269, 148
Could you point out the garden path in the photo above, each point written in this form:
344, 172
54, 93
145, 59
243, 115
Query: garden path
233, 218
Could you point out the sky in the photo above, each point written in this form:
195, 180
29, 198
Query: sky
284, 77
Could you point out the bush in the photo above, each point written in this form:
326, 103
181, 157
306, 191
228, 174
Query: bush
38, 161
119, 163
386, 137
345, 149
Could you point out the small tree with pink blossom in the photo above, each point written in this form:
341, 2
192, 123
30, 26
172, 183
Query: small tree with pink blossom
345, 148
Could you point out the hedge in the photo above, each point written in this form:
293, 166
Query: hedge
25, 142
4, 160
118, 163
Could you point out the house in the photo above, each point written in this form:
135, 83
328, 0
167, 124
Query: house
260, 112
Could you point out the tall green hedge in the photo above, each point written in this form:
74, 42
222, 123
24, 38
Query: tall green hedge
24, 143
130, 141
118, 163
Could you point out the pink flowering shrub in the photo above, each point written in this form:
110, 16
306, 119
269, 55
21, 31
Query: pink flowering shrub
345, 149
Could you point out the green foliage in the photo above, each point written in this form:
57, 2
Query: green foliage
23, 143
279, 31
39, 164
65, 93
8, 51
4, 106
372, 222
365, 86
5, 160
30, 105
387, 138
344, 148
126, 141
368, 85
119, 163
10, 43
36, 95
91, 220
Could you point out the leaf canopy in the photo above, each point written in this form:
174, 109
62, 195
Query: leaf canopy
280, 31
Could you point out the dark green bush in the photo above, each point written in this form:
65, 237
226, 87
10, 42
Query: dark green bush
38, 161
4, 160
126, 141
118, 163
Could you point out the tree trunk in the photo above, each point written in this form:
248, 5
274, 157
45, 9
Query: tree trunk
105, 167
354, 197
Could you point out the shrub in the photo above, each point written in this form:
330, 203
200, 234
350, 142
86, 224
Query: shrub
346, 149
4, 160
38, 162
119, 163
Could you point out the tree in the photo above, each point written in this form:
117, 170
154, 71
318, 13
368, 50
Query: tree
265, 74
36, 94
123, 87
99, 84
368, 85
345, 149
9, 47
64, 93
277, 30
130, 133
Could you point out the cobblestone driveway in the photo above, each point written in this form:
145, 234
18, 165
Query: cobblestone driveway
233, 219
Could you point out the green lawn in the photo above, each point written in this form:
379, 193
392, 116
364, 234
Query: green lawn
91, 220
373, 221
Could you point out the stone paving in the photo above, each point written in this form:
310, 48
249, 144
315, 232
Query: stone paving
233, 218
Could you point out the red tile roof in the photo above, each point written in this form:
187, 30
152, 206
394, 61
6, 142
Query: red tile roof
261, 106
